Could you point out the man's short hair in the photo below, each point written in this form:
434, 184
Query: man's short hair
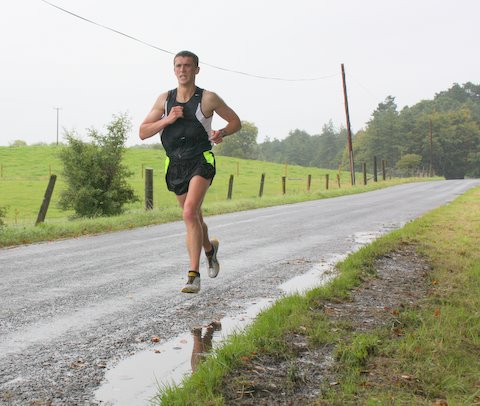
189, 54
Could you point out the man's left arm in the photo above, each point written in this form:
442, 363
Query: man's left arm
217, 105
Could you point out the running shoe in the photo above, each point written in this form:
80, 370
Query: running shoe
212, 262
193, 283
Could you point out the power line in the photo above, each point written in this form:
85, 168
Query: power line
173, 53
58, 118
366, 89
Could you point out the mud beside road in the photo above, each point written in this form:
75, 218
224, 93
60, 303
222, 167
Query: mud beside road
300, 379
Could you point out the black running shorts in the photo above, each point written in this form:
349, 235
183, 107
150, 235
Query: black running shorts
178, 173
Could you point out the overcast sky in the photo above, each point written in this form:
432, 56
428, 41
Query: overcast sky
410, 49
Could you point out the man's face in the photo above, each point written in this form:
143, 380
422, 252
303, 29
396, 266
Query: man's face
185, 69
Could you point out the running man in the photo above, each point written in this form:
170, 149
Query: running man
183, 117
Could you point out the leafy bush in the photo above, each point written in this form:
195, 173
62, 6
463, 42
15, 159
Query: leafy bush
94, 173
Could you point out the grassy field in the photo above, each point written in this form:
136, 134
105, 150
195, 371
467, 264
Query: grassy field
437, 352
25, 172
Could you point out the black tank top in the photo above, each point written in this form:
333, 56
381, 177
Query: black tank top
188, 136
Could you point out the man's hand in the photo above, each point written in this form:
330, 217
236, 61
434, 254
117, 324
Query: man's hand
216, 136
175, 113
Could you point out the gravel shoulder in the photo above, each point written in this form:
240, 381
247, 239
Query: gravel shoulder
65, 367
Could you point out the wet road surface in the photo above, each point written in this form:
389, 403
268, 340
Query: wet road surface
73, 309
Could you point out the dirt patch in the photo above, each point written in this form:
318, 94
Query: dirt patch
297, 379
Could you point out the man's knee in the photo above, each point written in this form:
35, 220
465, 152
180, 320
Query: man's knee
190, 214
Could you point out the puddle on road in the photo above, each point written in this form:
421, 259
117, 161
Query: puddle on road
319, 275
137, 379
364, 238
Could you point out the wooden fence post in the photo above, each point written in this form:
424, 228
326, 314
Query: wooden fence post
46, 200
326, 181
364, 173
262, 182
384, 174
284, 184
148, 189
309, 182
338, 180
230, 188
375, 179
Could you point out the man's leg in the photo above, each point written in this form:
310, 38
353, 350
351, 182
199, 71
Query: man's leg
206, 239
191, 203
211, 249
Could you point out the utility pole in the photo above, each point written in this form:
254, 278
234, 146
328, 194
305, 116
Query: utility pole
349, 131
58, 117
431, 149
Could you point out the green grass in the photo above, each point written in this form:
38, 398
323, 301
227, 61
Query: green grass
25, 172
440, 347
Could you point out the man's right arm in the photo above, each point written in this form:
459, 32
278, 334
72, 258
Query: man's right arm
156, 120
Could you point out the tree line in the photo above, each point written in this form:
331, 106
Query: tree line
440, 136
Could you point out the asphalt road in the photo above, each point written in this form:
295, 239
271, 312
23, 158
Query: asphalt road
73, 308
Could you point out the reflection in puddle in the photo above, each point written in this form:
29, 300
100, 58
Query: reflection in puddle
202, 342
